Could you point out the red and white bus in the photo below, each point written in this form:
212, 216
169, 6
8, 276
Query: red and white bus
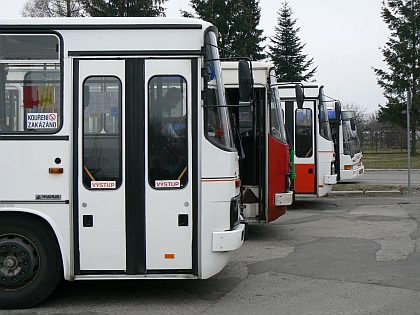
117, 154
265, 167
311, 138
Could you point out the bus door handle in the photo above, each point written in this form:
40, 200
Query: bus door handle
182, 219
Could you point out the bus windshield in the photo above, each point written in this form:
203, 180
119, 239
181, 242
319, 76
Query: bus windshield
217, 127
351, 143
277, 129
324, 124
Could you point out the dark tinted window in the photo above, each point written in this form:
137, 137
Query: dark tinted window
29, 47
303, 133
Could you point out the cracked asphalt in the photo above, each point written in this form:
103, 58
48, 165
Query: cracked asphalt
330, 255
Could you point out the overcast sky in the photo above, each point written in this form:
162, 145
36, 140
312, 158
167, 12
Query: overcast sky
344, 38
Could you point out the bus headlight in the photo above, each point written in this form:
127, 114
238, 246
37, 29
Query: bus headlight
234, 212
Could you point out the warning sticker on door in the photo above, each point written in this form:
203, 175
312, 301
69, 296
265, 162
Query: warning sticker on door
41, 120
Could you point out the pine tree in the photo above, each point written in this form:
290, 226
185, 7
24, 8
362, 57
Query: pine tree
237, 22
286, 49
125, 7
402, 54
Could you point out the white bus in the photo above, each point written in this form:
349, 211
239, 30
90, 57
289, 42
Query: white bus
311, 137
118, 157
349, 155
265, 168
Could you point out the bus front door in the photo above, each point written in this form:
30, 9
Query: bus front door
134, 201
305, 181
101, 199
169, 219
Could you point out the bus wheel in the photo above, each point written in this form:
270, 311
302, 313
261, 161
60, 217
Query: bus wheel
30, 261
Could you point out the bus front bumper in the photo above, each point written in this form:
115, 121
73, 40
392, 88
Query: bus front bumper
228, 240
283, 199
330, 179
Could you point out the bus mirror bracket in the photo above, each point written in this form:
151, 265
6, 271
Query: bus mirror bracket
337, 107
300, 96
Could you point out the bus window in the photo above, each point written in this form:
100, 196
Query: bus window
216, 119
101, 133
30, 84
277, 129
303, 134
12, 100
324, 124
168, 145
246, 117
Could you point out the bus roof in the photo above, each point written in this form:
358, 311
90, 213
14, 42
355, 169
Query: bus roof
113, 22
260, 72
117, 36
260, 65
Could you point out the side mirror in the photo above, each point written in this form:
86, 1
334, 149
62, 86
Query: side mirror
300, 96
337, 107
352, 124
245, 82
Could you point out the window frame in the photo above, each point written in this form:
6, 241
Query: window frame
102, 135
39, 64
154, 117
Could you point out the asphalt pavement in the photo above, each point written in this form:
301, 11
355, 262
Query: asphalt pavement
325, 256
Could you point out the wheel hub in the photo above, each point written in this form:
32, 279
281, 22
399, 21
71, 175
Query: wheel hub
19, 262
11, 263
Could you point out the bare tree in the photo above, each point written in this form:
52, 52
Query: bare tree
53, 8
359, 111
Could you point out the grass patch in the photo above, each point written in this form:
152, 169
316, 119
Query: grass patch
389, 159
383, 159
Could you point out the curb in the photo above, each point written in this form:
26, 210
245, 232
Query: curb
367, 192
382, 192
391, 169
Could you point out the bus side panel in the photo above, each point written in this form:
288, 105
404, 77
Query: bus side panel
58, 217
305, 178
25, 170
218, 187
25, 177
278, 162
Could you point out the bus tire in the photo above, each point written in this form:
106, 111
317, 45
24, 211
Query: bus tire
30, 261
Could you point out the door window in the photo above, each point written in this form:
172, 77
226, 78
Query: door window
303, 136
102, 157
167, 137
